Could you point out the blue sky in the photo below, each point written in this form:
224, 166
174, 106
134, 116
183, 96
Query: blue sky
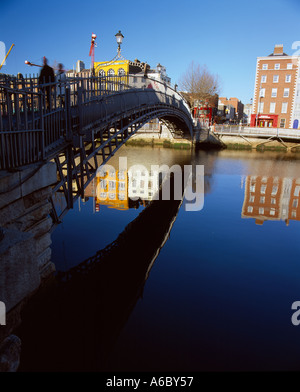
226, 36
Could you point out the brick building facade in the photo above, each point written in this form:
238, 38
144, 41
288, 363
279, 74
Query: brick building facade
271, 198
276, 101
236, 104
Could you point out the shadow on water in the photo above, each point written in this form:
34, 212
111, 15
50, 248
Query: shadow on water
73, 322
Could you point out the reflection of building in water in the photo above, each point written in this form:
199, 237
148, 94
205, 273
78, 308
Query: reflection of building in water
123, 190
271, 198
111, 189
142, 184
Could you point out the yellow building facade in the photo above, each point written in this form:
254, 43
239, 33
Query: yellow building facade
112, 189
119, 67
112, 68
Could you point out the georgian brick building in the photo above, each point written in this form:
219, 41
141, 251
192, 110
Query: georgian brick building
276, 101
271, 198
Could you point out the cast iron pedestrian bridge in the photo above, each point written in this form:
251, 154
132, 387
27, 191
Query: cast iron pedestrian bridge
80, 123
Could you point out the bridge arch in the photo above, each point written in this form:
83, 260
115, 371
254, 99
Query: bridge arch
145, 99
81, 132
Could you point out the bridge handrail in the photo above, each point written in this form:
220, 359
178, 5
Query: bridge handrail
26, 105
19, 95
92, 83
257, 131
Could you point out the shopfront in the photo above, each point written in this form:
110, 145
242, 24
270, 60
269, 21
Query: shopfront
264, 121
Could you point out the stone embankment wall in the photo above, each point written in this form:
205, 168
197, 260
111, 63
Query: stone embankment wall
258, 144
159, 136
25, 239
162, 137
206, 139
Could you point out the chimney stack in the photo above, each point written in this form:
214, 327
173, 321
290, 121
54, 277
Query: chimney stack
278, 50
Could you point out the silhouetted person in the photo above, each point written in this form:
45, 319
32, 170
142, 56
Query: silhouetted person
61, 84
46, 76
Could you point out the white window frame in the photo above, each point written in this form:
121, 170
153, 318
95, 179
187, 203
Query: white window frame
263, 79
286, 92
274, 190
121, 72
263, 189
275, 78
274, 93
288, 78
277, 66
103, 184
262, 92
284, 107
112, 185
121, 186
265, 66
282, 123
260, 107
111, 72
272, 107
289, 66
297, 191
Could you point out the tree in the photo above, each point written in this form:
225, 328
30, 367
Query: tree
198, 84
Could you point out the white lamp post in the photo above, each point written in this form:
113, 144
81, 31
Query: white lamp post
119, 37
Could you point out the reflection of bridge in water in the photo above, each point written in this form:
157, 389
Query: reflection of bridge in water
77, 319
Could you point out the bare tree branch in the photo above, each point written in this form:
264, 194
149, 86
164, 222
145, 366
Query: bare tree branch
199, 84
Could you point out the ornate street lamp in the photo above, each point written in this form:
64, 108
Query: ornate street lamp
119, 37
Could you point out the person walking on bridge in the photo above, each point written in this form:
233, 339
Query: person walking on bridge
61, 80
46, 77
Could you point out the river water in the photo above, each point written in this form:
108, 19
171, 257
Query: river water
161, 288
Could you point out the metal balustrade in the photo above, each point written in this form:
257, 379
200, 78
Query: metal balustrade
238, 130
35, 126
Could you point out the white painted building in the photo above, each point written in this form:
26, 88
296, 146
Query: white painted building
142, 184
248, 112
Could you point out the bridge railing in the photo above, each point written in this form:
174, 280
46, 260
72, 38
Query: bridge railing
257, 131
94, 98
31, 122
21, 126
35, 118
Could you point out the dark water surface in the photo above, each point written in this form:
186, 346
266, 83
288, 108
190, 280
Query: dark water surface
173, 289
